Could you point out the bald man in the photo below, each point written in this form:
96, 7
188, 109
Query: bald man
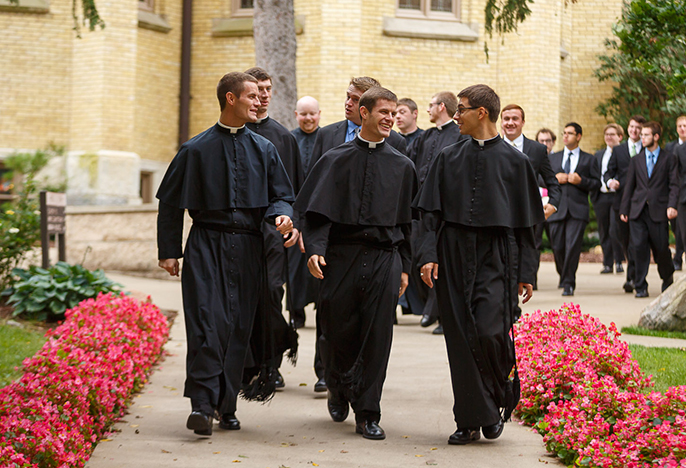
307, 114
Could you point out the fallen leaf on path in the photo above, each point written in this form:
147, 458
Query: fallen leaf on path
105, 440
321, 451
344, 451
434, 448
236, 461
146, 406
303, 385
419, 456
135, 425
165, 451
406, 437
216, 453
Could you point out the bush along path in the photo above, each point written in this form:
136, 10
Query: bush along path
585, 394
80, 382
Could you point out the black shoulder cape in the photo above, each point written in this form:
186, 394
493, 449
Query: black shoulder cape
358, 185
219, 170
493, 185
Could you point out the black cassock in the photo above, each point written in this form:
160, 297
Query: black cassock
276, 256
304, 287
230, 181
357, 207
480, 201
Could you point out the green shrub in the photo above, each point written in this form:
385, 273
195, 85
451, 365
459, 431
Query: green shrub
46, 294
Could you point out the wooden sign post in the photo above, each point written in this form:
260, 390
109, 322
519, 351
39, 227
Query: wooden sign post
52, 221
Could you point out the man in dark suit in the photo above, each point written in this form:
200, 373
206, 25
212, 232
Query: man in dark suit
671, 147
602, 200
680, 155
336, 134
578, 175
615, 178
512, 122
649, 202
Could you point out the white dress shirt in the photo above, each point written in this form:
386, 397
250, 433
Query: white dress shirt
574, 161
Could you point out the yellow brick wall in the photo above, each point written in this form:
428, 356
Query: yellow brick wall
35, 72
158, 71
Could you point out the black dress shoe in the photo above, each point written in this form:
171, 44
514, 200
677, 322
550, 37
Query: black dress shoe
667, 283
279, 383
606, 269
320, 386
438, 330
643, 293
229, 422
464, 436
568, 291
427, 320
494, 430
677, 266
629, 286
370, 430
619, 268
200, 423
338, 408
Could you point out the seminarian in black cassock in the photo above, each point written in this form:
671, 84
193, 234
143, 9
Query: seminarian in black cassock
480, 202
356, 204
275, 251
230, 180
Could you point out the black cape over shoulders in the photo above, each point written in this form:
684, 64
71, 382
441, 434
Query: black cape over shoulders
340, 186
246, 156
482, 186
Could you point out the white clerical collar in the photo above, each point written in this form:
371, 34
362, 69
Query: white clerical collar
232, 129
409, 133
440, 127
259, 121
517, 142
482, 142
372, 144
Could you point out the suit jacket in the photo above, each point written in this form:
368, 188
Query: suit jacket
659, 192
333, 135
680, 155
599, 158
617, 169
673, 145
574, 199
538, 156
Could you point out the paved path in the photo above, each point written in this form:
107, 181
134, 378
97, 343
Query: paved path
294, 429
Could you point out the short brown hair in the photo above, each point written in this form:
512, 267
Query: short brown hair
232, 83
449, 100
259, 73
363, 83
681, 117
639, 119
618, 129
481, 95
372, 95
654, 127
513, 107
409, 103
547, 130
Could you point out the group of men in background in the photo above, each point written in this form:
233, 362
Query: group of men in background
374, 213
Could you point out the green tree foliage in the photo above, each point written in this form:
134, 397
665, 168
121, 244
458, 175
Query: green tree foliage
647, 61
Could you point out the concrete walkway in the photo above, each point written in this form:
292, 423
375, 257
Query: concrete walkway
294, 429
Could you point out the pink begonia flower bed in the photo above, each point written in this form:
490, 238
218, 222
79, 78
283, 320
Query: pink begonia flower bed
79, 383
582, 391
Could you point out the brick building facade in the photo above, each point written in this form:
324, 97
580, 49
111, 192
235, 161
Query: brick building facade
112, 97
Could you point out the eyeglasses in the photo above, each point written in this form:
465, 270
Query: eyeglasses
462, 110
431, 104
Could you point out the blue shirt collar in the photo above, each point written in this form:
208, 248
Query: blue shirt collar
352, 127
656, 153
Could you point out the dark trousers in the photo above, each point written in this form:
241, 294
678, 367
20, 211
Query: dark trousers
681, 228
678, 241
538, 238
612, 250
620, 230
566, 237
647, 235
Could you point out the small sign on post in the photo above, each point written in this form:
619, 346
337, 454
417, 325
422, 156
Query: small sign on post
53, 221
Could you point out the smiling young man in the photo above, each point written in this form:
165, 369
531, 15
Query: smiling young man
357, 217
649, 201
341, 132
230, 180
480, 203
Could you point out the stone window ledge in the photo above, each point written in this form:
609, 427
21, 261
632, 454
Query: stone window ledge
429, 29
26, 6
236, 27
152, 21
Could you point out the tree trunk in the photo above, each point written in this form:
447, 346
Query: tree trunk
275, 46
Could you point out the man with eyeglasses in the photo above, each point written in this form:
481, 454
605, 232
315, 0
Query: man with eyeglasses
615, 178
578, 174
649, 201
546, 137
442, 107
479, 203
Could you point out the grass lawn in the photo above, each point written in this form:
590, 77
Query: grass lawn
648, 332
16, 344
666, 365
